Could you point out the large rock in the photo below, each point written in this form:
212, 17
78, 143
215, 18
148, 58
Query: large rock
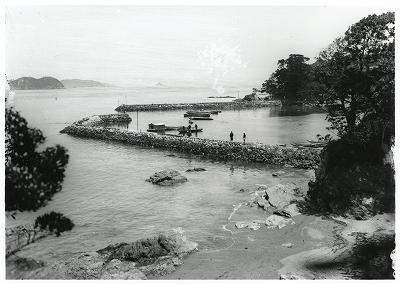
275, 221
134, 261
277, 197
167, 177
352, 181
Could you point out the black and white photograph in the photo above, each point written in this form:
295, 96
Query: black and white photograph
212, 140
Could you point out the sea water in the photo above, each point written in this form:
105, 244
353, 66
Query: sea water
104, 191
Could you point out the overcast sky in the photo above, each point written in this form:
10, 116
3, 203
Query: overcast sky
204, 45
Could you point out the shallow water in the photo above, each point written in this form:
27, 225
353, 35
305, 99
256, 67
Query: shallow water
105, 193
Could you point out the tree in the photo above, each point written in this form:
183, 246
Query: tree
289, 78
31, 177
358, 72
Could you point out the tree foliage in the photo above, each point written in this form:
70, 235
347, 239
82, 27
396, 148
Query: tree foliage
54, 222
31, 177
358, 72
292, 80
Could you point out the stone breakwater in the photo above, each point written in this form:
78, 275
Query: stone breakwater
214, 149
198, 106
104, 119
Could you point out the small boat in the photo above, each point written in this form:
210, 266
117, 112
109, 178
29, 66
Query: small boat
160, 127
186, 130
201, 118
215, 111
197, 111
198, 114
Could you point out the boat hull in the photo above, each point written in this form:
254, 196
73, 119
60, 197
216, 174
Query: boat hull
202, 118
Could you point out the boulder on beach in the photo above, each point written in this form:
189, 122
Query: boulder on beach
167, 177
253, 225
275, 221
276, 197
278, 173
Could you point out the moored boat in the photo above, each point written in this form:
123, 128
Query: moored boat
198, 114
201, 118
160, 127
186, 130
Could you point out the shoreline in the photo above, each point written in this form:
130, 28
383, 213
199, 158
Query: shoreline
312, 247
260, 253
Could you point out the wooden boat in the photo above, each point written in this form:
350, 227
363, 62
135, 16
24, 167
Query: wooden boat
201, 118
160, 127
215, 111
192, 130
197, 111
198, 114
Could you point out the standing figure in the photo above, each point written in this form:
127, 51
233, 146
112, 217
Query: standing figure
195, 126
231, 135
244, 137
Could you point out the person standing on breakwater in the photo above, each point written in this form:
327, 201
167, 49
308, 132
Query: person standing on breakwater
244, 137
195, 126
231, 135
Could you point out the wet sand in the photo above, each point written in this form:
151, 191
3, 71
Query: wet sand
257, 254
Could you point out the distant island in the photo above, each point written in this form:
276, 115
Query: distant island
29, 83
77, 83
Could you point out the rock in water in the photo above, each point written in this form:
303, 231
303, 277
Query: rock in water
167, 177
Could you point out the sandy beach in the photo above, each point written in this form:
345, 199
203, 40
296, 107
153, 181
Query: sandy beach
313, 247
257, 254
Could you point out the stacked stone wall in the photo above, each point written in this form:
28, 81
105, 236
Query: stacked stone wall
214, 149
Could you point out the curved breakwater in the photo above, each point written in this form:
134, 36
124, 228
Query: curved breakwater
199, 106
214, 149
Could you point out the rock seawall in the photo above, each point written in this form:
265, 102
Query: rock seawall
198, 106
214, 149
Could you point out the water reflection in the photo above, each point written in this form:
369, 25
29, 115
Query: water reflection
278, 111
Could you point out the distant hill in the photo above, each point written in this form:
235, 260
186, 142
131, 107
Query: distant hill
159, 85
29, 83
77, 83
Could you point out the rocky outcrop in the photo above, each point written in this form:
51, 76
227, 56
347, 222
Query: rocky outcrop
134, 261
215, 149
280, 201
167, 177
277, 198
352, 181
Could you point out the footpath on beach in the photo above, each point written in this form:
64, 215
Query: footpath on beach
92, 127
198, 106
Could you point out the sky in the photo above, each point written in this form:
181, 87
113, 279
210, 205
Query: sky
216, 46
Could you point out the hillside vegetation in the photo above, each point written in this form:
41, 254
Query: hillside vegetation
29, 83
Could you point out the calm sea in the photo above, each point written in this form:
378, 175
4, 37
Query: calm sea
105, 192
